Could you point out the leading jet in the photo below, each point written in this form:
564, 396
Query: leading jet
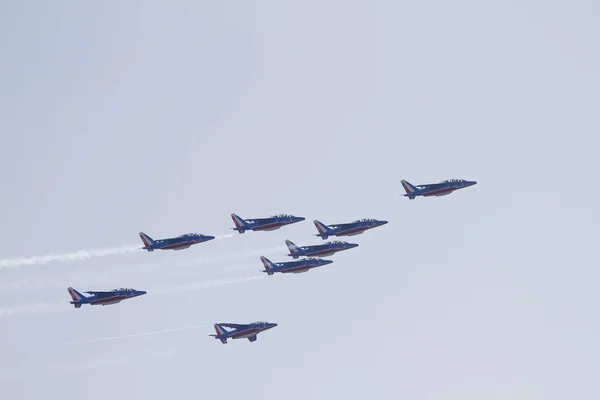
103, 298
292, 267
177, 243
348, 229
263, 224
435, 189
321, 250
241, 331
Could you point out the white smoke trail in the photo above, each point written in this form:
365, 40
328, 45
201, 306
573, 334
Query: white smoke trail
206, 260
64, 306
204, 285
78, 255
74, 256
34, 282
139, 334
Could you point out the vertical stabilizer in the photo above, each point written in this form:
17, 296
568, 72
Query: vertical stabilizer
147, 240
268, 265
409, 188
322, 229
76, 296
220, 333
294, 250
240, 224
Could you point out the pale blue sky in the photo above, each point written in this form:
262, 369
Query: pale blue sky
128, 116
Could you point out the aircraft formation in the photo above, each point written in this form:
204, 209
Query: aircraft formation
305, 257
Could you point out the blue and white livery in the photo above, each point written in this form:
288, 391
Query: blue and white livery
264, 224
241, 331
347, 229
177, 243
292, 267
435, 189
319, 250
103, 298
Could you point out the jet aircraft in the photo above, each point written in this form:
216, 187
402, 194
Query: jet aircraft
177, 243
321, 250
241, 331
263, 224
435, 189
348, 229
103, 298
294, 267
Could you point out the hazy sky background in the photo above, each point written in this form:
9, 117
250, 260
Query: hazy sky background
134, 116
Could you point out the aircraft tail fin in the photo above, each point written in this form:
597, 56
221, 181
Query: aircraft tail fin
220, 332
292, 248
409, 188
148, 241
76, 296
322, 228
268, 265
239, 223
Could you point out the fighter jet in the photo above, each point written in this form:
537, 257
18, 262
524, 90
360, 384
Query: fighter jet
347, 229
321, 250
435, 189
103, 298
264, 224
177, 243
293, 267
241, 331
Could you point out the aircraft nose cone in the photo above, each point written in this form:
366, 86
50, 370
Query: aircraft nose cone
383, 222
300, 218
210, 237
353, 245
141, 292
273, 325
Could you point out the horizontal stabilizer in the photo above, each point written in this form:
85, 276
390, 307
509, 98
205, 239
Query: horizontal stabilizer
222, 339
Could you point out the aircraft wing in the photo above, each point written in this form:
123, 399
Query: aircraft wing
99, 293
233, 326
342, 226
430, 186
258, 220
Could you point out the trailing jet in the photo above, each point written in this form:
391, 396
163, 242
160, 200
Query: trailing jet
293, 267
321, 250
347, 229
103, 298
241, 331
177, 243
435, 189
263, 224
